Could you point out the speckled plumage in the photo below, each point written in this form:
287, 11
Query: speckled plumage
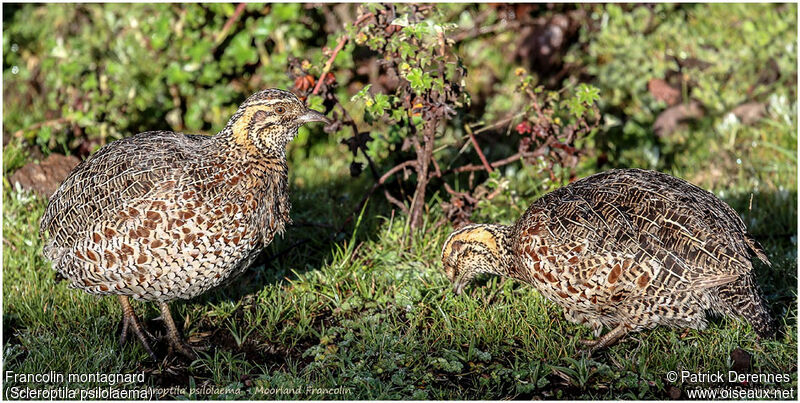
625, 249
162, 215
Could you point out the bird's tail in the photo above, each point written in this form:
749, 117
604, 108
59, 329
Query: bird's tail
743, 298
757, 249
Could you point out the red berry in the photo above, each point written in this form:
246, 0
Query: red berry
524, 127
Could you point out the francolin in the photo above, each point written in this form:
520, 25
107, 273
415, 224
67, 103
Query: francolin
625, 249
160, 215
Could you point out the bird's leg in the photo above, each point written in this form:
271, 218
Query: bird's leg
607, 339
175, 341
130, 322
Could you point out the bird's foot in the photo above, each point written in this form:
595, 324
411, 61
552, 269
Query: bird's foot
131, 324
605, 340
176, 343
182, 348
128, 326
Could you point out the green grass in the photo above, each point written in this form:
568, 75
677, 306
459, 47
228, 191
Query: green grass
370, 311
366, 308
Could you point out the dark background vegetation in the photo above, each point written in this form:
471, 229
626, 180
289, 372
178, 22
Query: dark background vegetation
444, 114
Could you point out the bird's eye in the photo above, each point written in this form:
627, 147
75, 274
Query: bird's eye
280, 110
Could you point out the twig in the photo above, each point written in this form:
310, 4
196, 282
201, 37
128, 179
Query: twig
478, 149
423, 159
394, 201
374, 187
232, 19
329, 63
363, 18
442, 50
394, 170
437, 171
354, 254
327, 68
369, 161
465, 195
496, 164
480, 29
499, 123
494, 193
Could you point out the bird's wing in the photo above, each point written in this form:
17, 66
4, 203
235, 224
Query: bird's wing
142, 167
612, 235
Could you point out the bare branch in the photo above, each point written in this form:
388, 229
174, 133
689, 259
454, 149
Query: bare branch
478, 149
232, 19
496, 164
327, 68
394, 201
394, 170
329, 63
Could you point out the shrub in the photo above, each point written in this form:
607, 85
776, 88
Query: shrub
455, 98
714, 57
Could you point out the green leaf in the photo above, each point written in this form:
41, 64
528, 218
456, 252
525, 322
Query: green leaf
241, 49
407, 49
575, 106
193, 119
418, 80
380, 104
401, 21
200, 50
176, 75
587, 94
210, 74
161, 32
44, 134
286, 11
397, 115
361, 95
315, 102
90, 83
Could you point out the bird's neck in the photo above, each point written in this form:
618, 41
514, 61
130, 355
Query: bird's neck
496, 239
257, 167
505, 262
239, 146
254, 176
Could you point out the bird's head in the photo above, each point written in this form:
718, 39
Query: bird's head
268, 120
475, 249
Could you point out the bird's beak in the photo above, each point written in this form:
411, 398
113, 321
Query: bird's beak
314, 116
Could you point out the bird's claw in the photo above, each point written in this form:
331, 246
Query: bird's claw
183, 349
